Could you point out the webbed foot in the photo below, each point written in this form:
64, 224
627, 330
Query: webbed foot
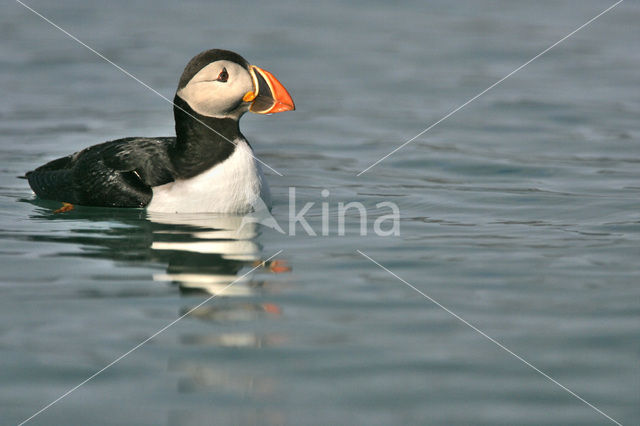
66, 207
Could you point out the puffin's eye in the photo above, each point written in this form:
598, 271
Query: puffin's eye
223, 76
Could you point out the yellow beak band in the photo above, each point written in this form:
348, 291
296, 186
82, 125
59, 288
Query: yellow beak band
249, 96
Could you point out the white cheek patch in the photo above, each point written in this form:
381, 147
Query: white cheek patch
213, 98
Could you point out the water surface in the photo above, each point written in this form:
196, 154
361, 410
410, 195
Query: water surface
520, 214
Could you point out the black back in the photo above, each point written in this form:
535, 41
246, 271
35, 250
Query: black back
118, 173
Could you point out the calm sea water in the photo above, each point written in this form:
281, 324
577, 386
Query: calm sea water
520, 214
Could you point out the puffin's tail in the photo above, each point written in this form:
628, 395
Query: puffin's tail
52, 184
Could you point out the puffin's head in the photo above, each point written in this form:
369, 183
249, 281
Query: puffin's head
219, 83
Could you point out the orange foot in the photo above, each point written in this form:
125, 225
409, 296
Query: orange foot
271, 308
66, 207
276, 266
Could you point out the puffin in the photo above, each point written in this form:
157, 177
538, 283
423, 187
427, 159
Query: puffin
208, 166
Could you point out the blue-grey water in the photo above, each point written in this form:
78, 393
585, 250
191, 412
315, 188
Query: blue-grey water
520, 214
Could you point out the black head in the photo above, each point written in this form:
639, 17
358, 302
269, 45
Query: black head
207, 57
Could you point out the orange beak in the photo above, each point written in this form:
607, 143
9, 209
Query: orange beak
269, 95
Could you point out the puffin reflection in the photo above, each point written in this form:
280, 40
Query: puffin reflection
212, 254
204, 253
201, 255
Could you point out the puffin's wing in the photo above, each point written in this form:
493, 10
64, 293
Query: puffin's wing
146, 158
118, 173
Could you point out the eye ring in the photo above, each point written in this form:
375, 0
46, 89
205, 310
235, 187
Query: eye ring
223, 76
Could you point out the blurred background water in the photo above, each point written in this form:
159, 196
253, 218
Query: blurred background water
520, 213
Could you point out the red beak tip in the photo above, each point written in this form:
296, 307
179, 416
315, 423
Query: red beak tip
281, 107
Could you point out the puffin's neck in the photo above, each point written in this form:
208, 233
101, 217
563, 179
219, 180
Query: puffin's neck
197, 147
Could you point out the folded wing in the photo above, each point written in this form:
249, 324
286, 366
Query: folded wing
118, 173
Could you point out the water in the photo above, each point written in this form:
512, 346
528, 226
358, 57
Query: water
520, 214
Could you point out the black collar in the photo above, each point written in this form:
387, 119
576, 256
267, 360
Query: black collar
198, 147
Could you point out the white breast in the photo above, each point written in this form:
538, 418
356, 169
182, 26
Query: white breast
233, 186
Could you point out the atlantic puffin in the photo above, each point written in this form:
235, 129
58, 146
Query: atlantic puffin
207, 167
